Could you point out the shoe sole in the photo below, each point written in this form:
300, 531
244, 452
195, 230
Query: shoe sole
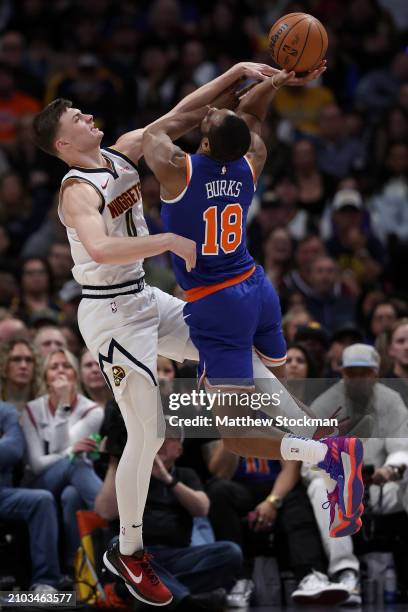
332, 597
349, 526
135, 594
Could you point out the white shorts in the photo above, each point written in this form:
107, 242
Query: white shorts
127, 333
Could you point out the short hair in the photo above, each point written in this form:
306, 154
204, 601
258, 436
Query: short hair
46, 124
230, 140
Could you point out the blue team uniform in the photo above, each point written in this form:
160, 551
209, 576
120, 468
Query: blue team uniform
232, 306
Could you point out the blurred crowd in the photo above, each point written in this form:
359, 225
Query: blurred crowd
329, 223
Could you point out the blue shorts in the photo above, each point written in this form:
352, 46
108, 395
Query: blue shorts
225, 327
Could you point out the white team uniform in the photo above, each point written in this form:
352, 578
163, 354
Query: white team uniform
125, 324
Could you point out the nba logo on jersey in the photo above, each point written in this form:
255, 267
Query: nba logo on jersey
224, 170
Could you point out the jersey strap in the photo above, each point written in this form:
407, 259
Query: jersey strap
197, 293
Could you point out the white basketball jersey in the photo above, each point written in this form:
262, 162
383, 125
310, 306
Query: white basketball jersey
118, 186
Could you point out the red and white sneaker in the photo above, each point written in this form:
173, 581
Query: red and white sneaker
139, 576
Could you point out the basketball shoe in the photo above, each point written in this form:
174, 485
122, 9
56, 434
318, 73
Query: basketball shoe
343, 463
138, 574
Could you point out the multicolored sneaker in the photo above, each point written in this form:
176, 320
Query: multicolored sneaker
139, 576
340, 524
343, 463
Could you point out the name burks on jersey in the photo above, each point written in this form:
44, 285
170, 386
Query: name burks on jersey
216, 189
125, 200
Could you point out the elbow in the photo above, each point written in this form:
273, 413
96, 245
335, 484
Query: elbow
99, 254
203, 507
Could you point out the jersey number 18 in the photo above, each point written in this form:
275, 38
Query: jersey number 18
231, 229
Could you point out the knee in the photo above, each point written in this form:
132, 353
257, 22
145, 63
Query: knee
232, 554
44, 499
233, 445
218, 491
70, 496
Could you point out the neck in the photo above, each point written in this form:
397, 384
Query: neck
401, 370
17, 393
100, 396
90, 159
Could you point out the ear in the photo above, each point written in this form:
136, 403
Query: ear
205, 145
61, 146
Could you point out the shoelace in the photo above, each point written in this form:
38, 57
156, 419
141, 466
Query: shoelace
147, 568
332, 500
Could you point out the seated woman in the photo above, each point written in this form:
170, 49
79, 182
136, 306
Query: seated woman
20, 367
57, 426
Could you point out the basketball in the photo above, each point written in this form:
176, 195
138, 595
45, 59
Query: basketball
298, 42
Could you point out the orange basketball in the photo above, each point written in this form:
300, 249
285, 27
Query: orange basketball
298, 42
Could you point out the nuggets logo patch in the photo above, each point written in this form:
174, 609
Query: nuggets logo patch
118, 374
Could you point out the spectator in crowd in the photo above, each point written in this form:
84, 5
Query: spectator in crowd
307, 250
354, 246
13, 53
92, 379
342, 338
19, 372
337, 154
296, 219
389, 205
327, 302
383, 316
11, 327
301, 106
314, 187
300, 367
61, 264
57, 450
378, 414
296, 317
70, 296
278, 251
37, 289
73, 338
90, 85
397, 375
315, 339
35, 507
270, 495
15, 209
13, 104
378, 89
49, 339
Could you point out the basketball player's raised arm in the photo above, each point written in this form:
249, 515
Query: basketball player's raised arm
131, 143
80, 206
254, 106
164, 158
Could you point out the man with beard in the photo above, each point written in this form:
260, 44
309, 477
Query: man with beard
379, 415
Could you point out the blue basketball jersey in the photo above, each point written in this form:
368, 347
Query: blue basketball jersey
212, 211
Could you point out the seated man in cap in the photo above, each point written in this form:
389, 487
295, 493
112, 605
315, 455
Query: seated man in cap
352, 243
379, 415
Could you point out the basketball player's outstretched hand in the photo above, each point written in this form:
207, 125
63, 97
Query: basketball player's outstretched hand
184, 248
310, 76
252, 70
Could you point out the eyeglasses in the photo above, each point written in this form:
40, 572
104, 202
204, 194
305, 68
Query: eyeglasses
20, 358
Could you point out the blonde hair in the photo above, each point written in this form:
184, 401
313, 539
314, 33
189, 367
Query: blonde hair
72, 360
5, 351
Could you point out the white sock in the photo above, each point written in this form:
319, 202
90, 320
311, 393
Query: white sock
301, 449
330, 483
130, 539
